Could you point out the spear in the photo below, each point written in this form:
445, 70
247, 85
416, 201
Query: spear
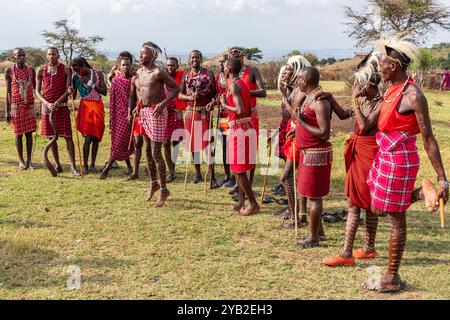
190, 141
295, 188
442, 213
207, 163
269, 151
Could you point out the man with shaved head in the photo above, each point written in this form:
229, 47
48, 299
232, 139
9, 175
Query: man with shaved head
312, 136
19, 107
252, 77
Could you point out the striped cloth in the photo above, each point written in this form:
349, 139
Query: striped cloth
392, 177
154, 127
23, 119
118, 119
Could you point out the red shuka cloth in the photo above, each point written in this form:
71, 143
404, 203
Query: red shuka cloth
360, 152
242, 137
91, 119
390, 119
118, 119
314, 171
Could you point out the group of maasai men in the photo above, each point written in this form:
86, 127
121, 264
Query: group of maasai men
163, 106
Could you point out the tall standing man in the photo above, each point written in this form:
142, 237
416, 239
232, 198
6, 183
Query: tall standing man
19, 107
52, 88
403, 114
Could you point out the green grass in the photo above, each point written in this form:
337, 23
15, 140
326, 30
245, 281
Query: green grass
195, 247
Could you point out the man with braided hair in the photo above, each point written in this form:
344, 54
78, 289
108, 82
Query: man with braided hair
403, 114
287, 84
361, 148
147, 87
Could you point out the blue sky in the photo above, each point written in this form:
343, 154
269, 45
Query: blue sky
182, 25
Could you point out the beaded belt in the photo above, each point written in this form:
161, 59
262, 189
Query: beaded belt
239, 121
199, 109
18, 106
317, 156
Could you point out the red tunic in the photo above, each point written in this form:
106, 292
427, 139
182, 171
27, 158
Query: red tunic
390, 119
316, 155
242, 136
252, 86
54, 86
181, 105
23, 115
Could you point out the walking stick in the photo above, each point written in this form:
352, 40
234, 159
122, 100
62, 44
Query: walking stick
295, 188
207, 164
78, 136
190, 142
216, 137
132, 129
442, 213
35, 139
267, 173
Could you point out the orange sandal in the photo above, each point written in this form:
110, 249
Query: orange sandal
360, 254
338, 261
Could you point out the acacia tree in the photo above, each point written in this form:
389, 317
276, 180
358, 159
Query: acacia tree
416, 19
253, 54
69, 41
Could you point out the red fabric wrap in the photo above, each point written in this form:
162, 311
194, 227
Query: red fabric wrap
61, 119
118, 118
54, 85
390, 119
23, 119
360, 152
91, 119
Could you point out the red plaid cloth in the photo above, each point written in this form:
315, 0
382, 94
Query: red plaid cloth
200, 129
118, 118
283, 129
138, 130
174, 122
23, 119
61, 119
392, 177
154, 127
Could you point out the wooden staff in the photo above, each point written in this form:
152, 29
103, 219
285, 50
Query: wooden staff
295, 188
132, 129
35, 139
190, 142
216, 137
267, 173
78, 136
207, 164
442, 213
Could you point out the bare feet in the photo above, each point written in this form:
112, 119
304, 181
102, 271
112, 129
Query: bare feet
163, 195
58, 168
385, 285
251, 210
133, 177
238, 208
153, 189
104, 175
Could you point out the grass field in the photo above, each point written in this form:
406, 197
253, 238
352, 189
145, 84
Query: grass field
195, 247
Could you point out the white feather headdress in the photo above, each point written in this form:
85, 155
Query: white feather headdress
405, 48
298, 63
367, 68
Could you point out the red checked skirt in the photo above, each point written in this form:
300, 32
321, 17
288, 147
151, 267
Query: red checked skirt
61, 119
154, 127
174, 122
200, 129
393, 175
23, 119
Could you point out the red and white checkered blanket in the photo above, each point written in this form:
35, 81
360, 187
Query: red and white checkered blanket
392, 177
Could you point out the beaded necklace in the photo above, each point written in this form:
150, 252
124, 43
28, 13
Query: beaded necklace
23, 85
398, 94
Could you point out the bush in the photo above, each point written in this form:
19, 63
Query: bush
4, 65
269, 73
